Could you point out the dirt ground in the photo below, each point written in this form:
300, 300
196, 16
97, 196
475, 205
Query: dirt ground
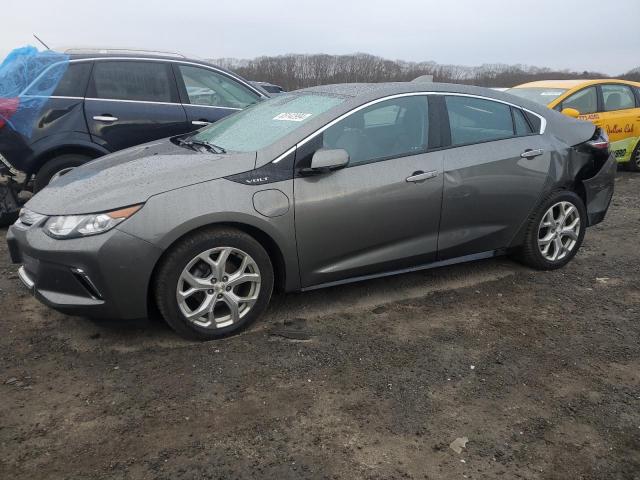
539, 370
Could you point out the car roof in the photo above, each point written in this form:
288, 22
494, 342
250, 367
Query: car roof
375, 90
93, 53
568, 84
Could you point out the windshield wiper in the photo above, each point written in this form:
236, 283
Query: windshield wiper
201, 143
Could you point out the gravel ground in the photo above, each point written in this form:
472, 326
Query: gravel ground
539, 370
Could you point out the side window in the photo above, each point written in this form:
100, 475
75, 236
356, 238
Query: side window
206, 87
142, 81
617, 97
585, 101
392, 128
474, 120
520, 122
74, 81
63, 80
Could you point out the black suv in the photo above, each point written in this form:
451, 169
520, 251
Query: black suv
108, 100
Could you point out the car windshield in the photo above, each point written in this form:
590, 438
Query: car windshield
266, 122
543, 96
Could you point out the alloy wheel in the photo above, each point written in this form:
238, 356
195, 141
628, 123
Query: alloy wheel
559, 231
218, 287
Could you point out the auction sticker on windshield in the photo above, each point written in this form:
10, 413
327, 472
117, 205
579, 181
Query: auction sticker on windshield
292, 117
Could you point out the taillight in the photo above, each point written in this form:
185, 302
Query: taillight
600, 140
8, 107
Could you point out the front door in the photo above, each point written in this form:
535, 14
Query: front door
381, 212
130, 102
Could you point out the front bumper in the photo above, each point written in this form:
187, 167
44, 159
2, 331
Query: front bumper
101, 276
599, 191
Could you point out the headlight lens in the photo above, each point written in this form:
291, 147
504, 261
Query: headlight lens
73, 226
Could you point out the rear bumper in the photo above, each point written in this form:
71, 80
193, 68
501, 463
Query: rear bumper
599, 191
104, 276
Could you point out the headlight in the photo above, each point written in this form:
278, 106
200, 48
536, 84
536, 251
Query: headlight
73, 226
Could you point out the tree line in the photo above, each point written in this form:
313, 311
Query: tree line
295, 71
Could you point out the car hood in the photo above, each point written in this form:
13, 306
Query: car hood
133, 175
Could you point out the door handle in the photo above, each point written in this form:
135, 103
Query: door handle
529, 154
421, 176
105, 118
199, 123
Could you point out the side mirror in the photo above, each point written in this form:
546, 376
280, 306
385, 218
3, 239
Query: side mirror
325, 160
570, 112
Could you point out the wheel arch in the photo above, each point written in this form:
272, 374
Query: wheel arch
91, 150
262, 237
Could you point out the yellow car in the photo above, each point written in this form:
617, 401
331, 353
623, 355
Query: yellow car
613, 105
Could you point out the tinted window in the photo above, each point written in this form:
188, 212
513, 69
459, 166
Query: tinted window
474, 120
617, 97
66, 80
145, 81
520, 122
391, 128
585, 101
74, 82
205, 87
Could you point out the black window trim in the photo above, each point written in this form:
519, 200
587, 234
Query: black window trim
182, 89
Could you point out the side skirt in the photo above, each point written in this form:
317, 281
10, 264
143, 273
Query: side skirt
428, 266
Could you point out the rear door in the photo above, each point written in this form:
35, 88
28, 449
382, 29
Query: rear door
208, 95
381, 212
131, 102
489, 187
621, 118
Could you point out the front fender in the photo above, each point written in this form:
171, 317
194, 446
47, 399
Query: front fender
169, 216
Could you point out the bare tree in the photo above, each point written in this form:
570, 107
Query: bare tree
295, 71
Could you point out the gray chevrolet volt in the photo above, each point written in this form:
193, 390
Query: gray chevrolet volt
310, 189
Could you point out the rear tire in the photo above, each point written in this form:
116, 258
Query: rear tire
634, 162
57, 165
213, 283
555, 231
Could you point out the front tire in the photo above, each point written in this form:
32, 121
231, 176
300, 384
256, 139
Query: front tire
555, 231
213, 283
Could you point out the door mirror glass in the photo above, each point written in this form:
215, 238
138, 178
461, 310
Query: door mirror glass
329, 159
571, 112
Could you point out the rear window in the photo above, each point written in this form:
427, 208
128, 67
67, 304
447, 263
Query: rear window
474, 120
74, 81
141, 81
617, 97
264, 123
520, 122
543, 96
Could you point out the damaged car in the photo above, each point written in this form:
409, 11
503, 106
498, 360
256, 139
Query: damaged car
59, 110
310, 189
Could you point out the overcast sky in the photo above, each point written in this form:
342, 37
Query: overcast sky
581, 35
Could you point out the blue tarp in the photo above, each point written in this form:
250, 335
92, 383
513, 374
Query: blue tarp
27, 79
